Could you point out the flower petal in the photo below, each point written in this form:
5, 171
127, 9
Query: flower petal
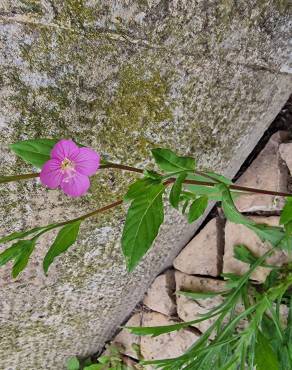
87, 161
51, 174
64, 149
76, 185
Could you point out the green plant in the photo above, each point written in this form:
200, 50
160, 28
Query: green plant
249, 331
263, 342
112, 360
190, 191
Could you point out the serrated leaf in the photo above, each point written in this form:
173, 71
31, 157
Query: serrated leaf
286, 213
65, 238
265, 358
197, 208
144, 217
242, 253
168, 161
139, 187
36, 152
22, 258
174, 196
73, 363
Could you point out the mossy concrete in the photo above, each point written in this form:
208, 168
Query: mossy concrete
202, 77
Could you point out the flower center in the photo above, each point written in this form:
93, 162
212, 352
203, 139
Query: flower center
67, 165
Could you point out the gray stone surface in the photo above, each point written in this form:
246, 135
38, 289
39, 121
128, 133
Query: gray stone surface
203, 77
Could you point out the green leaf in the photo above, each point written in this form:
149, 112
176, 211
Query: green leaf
272, 234
242, 253
144, 217
11, 252
229, 209
73, 363
154, 331
139, 187
265, 358
23, 234
219, 178
184, 208
199, 295
288, 228
35, 152
104, 359
65, 238
95, 367
152, 175
286, 214
168, 161
21, 260
197, 208
174, 196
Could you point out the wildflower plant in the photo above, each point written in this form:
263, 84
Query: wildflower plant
67, 165
263, 342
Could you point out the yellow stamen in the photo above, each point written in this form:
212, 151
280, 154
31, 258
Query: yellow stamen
67, 164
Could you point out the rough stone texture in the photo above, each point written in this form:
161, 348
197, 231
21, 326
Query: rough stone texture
239, 234
265, 172
202, 255
204, 78
168, 345
286, 154
126, 339
160, 296
189, 309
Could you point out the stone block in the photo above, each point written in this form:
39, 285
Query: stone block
168, 345
127, 339
121, 77
286, 154
240, 234
188, 309
265, 172
160, 295
203, 254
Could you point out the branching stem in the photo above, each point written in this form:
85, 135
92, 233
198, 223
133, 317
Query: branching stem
138, 170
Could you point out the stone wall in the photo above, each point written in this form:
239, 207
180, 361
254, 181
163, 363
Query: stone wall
202, 77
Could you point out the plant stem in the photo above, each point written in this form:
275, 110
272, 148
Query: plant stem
138, 170
206, 183
5, 179
121, 167
93, 213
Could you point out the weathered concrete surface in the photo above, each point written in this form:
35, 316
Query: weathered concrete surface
203, 77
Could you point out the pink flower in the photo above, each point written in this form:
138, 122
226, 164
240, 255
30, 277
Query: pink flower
69, 168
